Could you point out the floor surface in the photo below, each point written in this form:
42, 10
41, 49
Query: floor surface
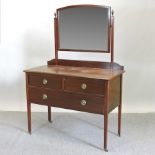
75, 134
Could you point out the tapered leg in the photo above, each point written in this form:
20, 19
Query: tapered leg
105, 130
49, 114
106, 97
29, 116
28, 106
119, 119
120, 108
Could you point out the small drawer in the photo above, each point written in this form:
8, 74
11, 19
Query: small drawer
84, 85
45, 80
80, 102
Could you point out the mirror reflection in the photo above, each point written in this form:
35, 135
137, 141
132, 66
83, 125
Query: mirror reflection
83, 28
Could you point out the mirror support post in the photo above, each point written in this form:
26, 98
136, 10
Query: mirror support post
112, 37
56, 37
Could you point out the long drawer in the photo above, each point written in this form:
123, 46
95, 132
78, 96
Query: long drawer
74, 101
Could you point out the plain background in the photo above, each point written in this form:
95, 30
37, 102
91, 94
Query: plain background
27, 40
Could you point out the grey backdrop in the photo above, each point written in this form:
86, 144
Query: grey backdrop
27, 40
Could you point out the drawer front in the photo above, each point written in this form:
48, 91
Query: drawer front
84, 85
86, 103
42, 96
45, 80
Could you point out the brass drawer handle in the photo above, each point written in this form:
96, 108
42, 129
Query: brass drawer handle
83, 102
83, 86
45, 81
44, 96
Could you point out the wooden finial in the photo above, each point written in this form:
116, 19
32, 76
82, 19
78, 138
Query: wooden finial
112, 12
55, 15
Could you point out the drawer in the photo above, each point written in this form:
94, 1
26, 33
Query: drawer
84, 85
80, 102
86, 103
42, 96
45, 80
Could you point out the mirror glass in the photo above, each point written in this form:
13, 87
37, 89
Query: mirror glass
84, 28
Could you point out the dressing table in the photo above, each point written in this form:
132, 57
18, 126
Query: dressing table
88, 86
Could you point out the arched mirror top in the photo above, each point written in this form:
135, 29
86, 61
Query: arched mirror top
84, 28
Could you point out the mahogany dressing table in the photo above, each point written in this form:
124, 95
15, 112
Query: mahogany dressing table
88, 86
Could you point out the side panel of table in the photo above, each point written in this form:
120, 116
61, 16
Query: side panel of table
114, 93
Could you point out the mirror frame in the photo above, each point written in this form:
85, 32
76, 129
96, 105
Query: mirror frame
110, 31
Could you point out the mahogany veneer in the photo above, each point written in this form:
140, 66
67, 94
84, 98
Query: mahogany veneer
87, 86
95, 90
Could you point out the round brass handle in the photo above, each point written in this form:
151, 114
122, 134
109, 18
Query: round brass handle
83, 86
44, 96
83, 102
45, 81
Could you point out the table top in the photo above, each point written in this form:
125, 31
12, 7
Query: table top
87, 72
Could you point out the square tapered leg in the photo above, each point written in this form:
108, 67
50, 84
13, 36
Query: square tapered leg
29, 116
49, 114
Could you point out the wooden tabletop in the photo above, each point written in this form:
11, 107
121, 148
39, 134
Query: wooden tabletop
87, 72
